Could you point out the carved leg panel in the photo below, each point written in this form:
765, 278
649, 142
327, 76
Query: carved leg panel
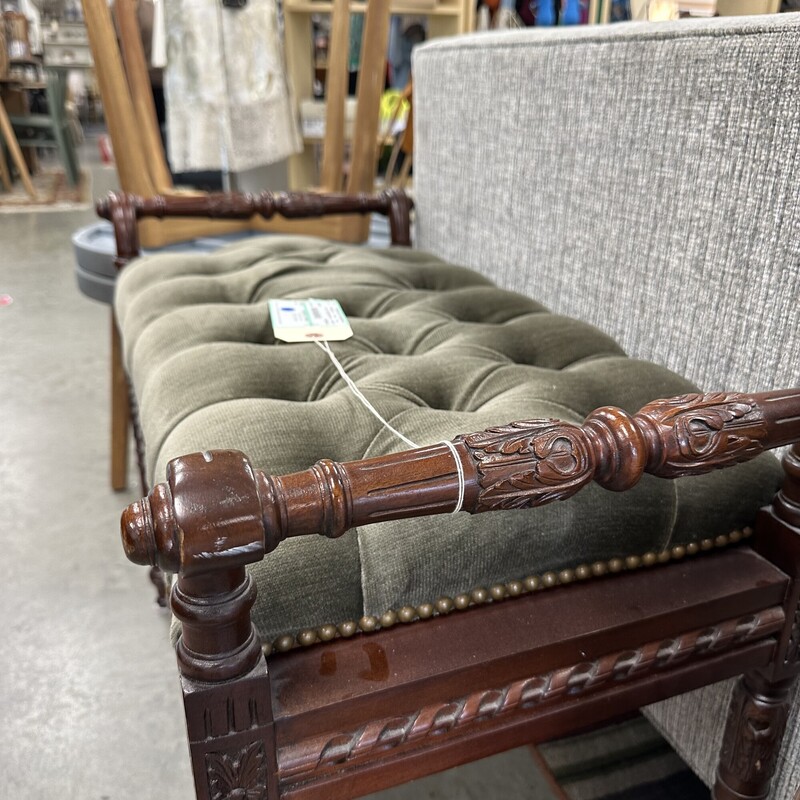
753, 734
231, 737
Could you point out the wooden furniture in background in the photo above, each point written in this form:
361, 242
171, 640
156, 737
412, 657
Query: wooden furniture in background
445, 18
8, 135
735, 8
3, 53
66, 45
141, 162
23, 78
51, 130
363, 155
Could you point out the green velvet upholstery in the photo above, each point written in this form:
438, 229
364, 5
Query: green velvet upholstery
440, 351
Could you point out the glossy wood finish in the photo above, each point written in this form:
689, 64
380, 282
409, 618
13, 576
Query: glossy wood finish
520, 465
756, 723
368, 711
353, 712
232, 737
124, 210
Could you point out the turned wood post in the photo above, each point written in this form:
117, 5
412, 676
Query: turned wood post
759, 706
190, 521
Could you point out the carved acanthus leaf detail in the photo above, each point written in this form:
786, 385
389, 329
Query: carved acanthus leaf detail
530, 463
702, 432
239, 774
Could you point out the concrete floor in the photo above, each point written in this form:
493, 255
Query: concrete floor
89, 700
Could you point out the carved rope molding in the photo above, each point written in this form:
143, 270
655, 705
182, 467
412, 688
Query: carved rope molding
521, 465
311, 757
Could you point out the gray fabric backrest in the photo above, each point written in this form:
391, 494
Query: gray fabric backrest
644, 178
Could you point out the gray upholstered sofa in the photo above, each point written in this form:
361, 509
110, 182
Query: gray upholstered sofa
642, 179
687, 247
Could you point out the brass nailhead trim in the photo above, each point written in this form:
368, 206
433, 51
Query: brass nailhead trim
497, 592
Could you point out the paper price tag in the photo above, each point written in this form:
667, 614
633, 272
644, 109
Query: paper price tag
306, 320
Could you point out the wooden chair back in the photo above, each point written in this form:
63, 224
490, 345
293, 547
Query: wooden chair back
3, 52
141, 162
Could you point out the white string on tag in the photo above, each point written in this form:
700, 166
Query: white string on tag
460, 470
325, 347
357, 392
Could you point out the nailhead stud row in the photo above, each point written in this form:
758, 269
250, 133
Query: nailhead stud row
498, 592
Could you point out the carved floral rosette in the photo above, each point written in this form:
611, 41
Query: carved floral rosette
238, 774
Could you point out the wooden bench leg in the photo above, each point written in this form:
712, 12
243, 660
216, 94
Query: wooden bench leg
756, 724
224, 676
120, 413
760, 703
228, 711
123, 419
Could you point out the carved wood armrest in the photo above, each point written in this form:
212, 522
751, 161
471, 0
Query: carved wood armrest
190, 525
123, 210
520, 465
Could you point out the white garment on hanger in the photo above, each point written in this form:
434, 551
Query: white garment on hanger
228, 103
158, 46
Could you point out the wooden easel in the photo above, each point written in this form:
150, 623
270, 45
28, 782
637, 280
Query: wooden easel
7, 132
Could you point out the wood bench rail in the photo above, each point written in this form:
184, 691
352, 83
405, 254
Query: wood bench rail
521, 465
123, 210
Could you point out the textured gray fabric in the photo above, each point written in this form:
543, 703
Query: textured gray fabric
440, 351
644, 178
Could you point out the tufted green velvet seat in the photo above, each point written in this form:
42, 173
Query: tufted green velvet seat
440, 351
